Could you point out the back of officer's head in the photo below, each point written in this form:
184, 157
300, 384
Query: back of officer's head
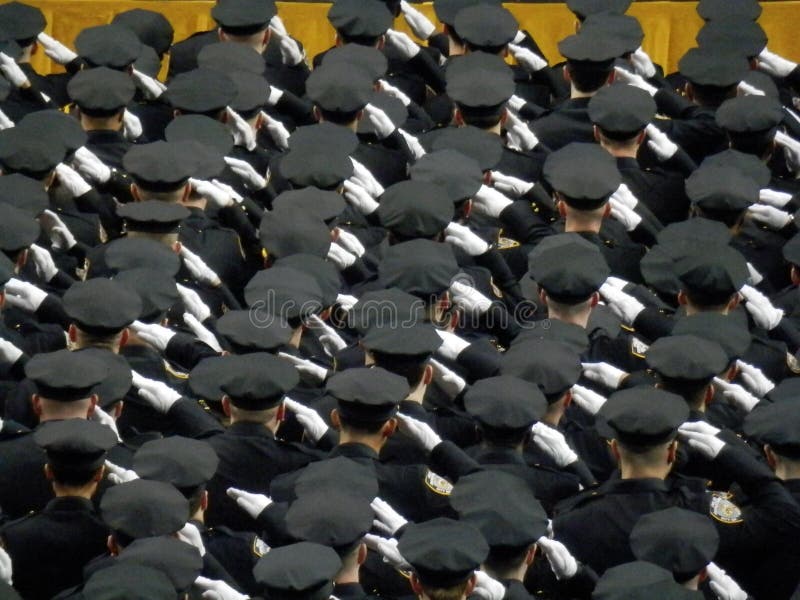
367, 400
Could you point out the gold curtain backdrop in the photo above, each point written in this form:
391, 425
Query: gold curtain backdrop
670, 27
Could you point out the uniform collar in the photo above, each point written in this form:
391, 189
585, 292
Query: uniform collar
69, 503
628, 486
349, 591
247, 429
353, 450
499, 456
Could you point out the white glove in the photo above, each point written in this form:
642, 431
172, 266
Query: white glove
155, 335
490, 202
775, 65
246, 172
413, 144
791, 149
215, 589
106, 419
387, 548
737, 395
417, 22
277, 131
198, 268
201, 332
314, 425
629, 218
755, 379
381, 124
758, 305
562, 563
404, 45
60, 236
772, 217
359, 198
131, 126
71, 181
346, 301
157, 394
307, 369
604, 374
419, 432
23, 295
277, 25
708, 445
243, 134
91, 167
341, 257
511, 186
330, 339
745, 89
488, 588
625, 196
663, 147
519, 135
118, 475
553, 443
469, 299
723, 585
616, 282
5, 122
774, 198
527, 59
12, 71
214, 195
190, 534
275, 95
452, 345
350, 242
700, 427
252, 504
466, 239
450, 382
642, 63
151, 88
291, 53
6, 569
754, 276
363, 176
635, 80
193, 304
57, 51
588, 400
9, 354
393, 91
389, 521
625, 306
45, 266
515, 104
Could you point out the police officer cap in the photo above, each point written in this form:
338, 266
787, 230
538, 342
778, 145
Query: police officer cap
728, 331
128, 582
716, 275
763, 82
447, 10
252, 91
159, 166
400, 339
207, 376
639, 581
742, 36
420, 267
257, 381
642, 416
141, 509
585, 8
443, 552
179, 561
501, 506
375, 306
63, 375
22, 153
573, 336
696, 228
339, 87
569, 268
483, 147
151, 27
153, 216
228, 58
148, 62
686, 357
791, 250
360, 18
334, 138
726, 9
315, 166
749, 114
748, 165
505, 403
584, 173
118, 379
23, 22
786, 390
285, 291
180, 461
244, 17
101, 305
553, 366
459, 176
200, 91
269, 333
324, 205
204, 130
486, 26
368, 59
415, 209
368, 394
54, 124
113, 46
133, 253
302, 571
713, 66
591, 46
324, 273
18, 229
338, 520
621, 111
777, 425
480, 81
721, 189
624, 29
332, 476
101, 91
75, 443
678, 540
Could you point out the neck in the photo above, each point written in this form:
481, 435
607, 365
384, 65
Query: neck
553, 415
621, 151
785, 471
100, 124
581, 318
628, 471
576, 93
66, 491
297, 334
693, 584
199, 516
573, 223
375, 442
348, 575
418, 393
512, 574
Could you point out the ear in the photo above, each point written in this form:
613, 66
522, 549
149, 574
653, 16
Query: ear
72, 333
672, 452
471, 583
688, 89
280, 414
93, 400
416, 585
607, 210
317, 114
427, 375
542, 296
135, 193
567, 398
562, 207
221, 35
98, 474
708, 395
389, 428
2, 299
683, 299
611, 77
504, 116
794, 273
36, 404
381, 43
22, 258
48, 472
594, 300
772, 460
458, 118
596, 133
337, 41
118, 410
531, 554
226, 405
614, 449
640, 138
176, 247
732, 372
466, 209
566, 74
336, 422
124, 337
734, 302
187, 191
111, 544
204, 501
362, 554
267, 36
